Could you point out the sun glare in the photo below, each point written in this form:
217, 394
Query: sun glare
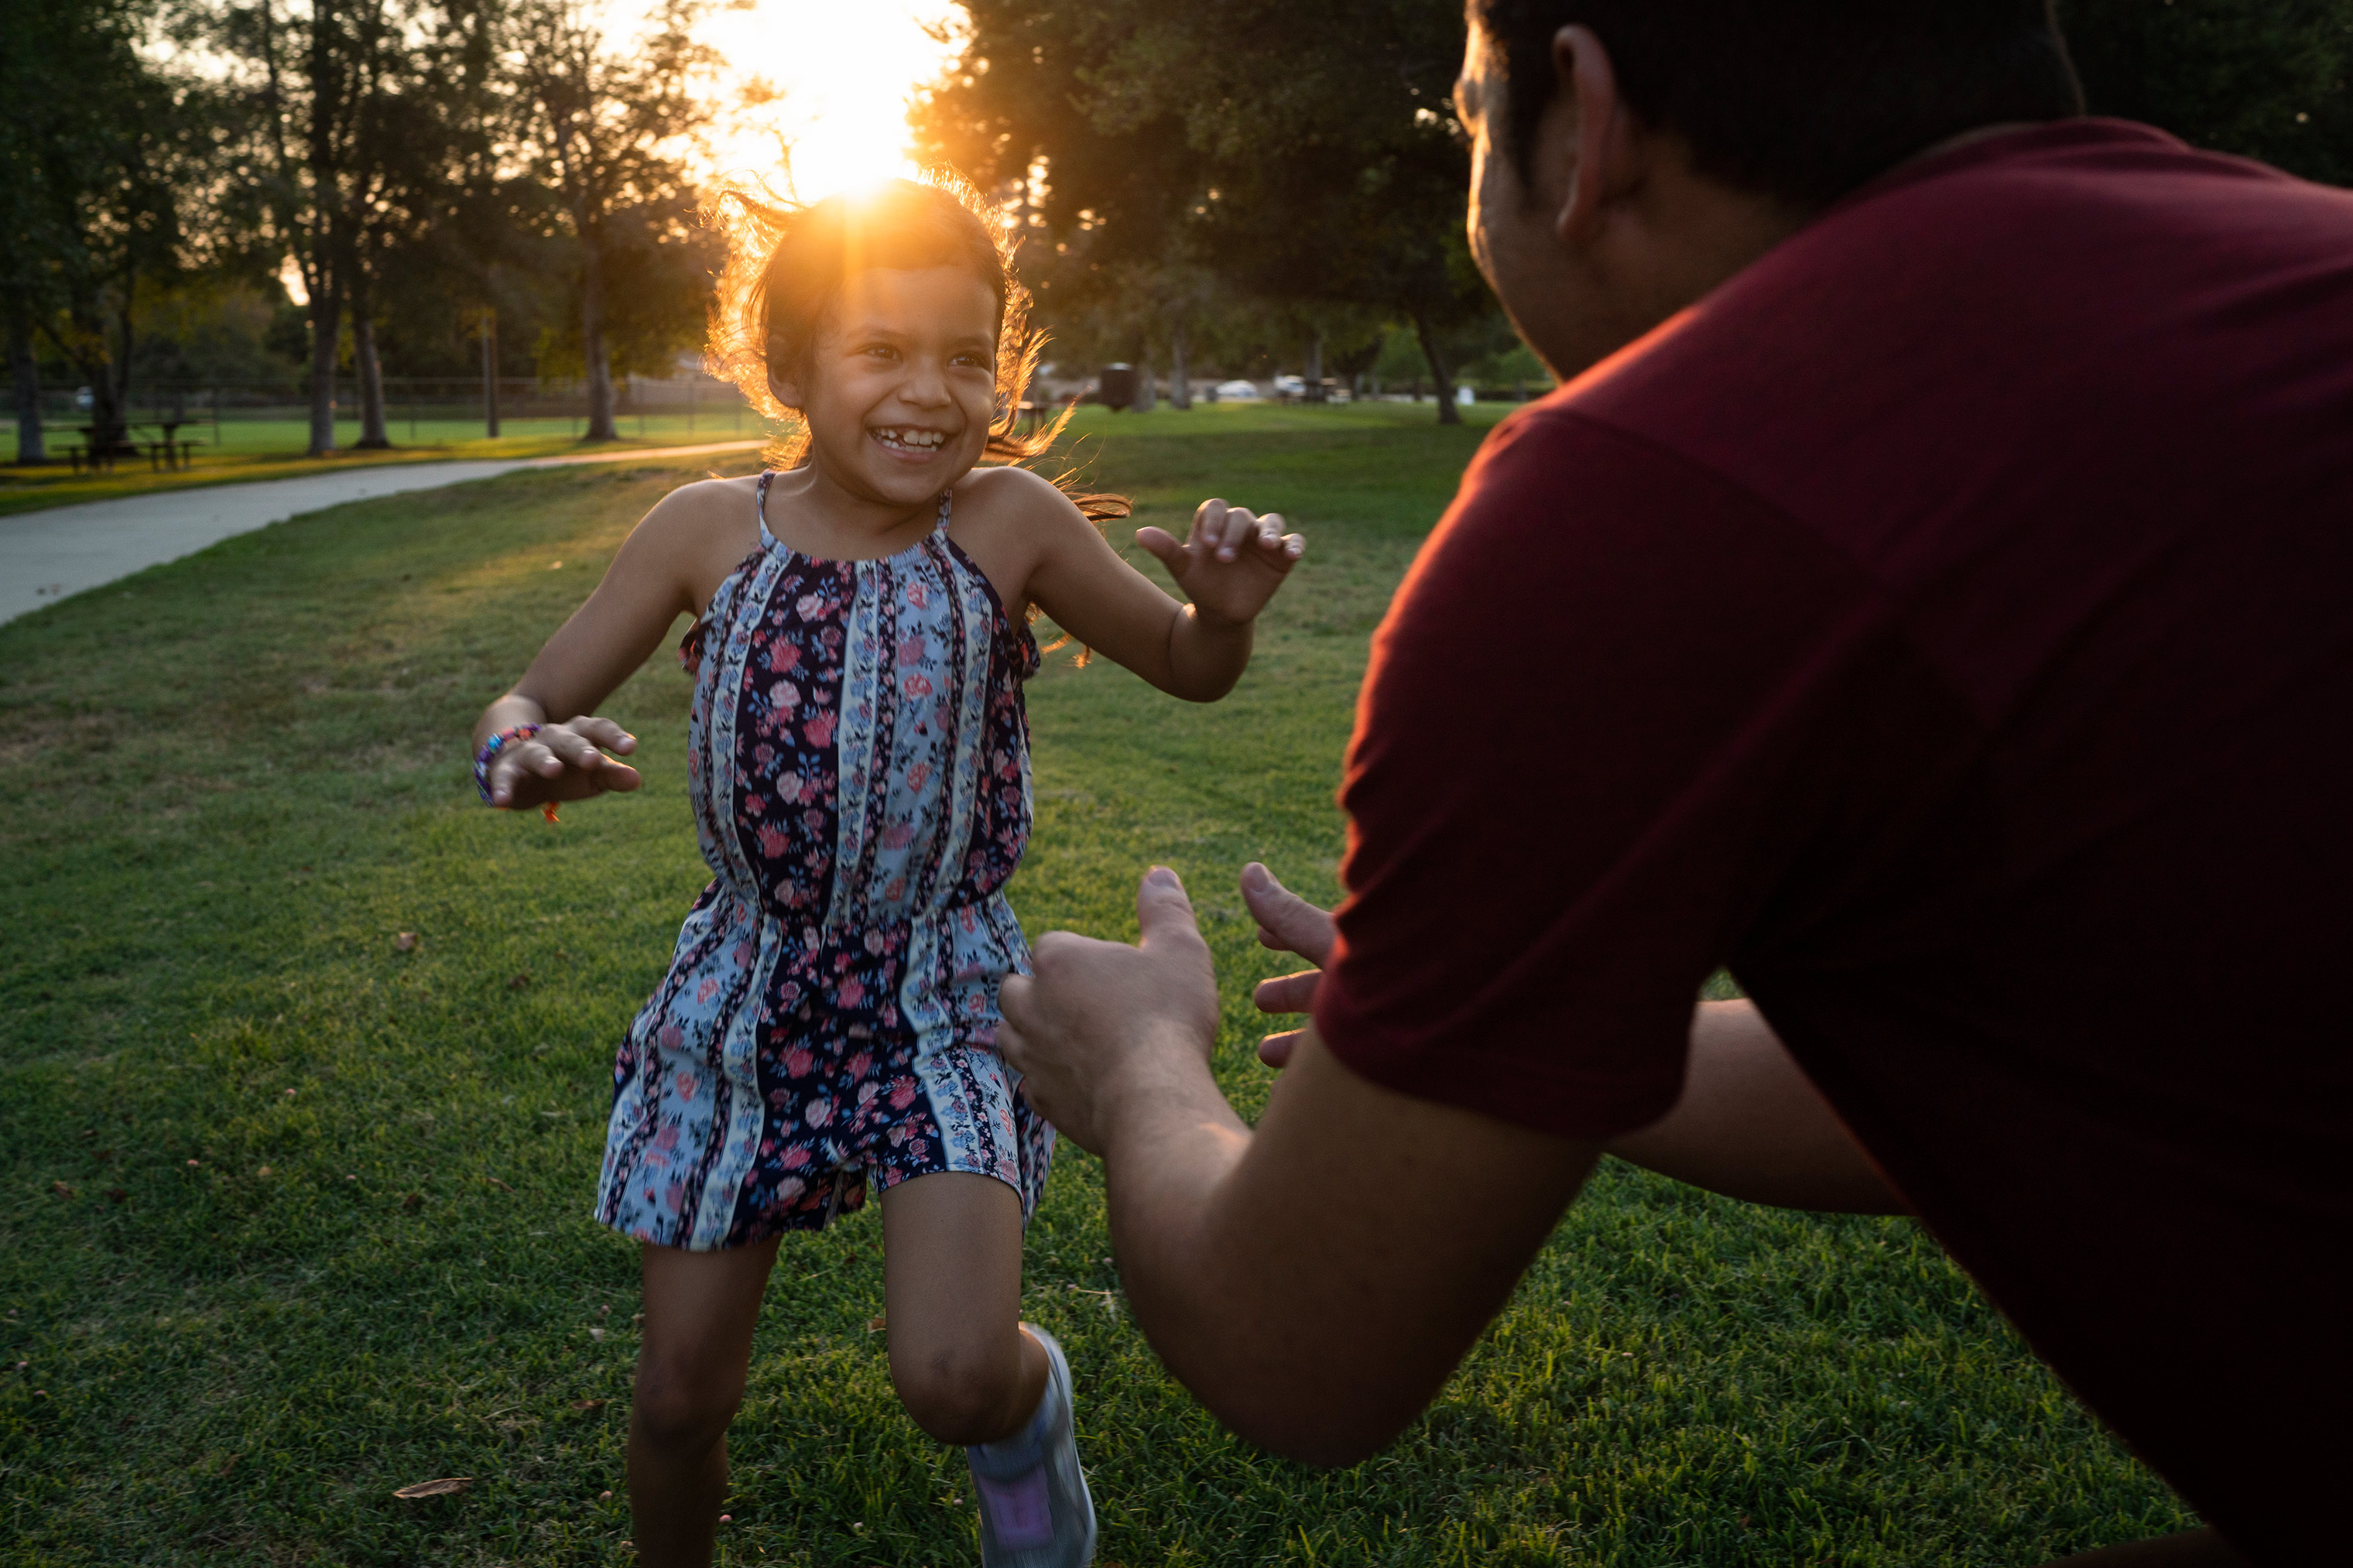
843, 72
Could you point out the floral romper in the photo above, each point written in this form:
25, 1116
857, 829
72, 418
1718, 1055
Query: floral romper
859, 774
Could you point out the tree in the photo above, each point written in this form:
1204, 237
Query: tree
2263, 78
1303, 154
604, 125
317, 148
97, 145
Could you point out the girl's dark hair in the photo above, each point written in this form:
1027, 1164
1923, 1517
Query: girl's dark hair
787, 262
1804, 99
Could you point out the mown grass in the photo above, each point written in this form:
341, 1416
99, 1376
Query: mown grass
294, 1218
242, 450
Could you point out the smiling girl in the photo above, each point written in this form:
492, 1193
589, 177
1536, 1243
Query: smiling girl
859, 776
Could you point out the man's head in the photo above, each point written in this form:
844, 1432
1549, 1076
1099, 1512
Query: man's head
1631, 154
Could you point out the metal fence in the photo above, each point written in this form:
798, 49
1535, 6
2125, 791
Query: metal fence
246, 413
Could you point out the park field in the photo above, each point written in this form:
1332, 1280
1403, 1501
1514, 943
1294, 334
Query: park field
295, 1216
242, 449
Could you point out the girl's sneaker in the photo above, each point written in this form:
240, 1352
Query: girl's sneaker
1034, 1508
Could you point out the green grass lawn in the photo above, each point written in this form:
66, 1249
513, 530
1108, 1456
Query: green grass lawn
274, 449
294, 1218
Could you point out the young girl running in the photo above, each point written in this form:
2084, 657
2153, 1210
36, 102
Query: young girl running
859, 771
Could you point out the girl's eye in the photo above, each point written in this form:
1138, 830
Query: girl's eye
879, 351
975, 361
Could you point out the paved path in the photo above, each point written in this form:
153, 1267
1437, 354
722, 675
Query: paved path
47, 555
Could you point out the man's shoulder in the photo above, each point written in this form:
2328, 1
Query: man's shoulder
2091, 298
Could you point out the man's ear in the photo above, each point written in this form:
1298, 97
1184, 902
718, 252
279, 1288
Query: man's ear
1608, 152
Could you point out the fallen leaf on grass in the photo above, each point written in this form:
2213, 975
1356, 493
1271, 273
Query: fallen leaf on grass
877, 1322
496, 1182
116, 1194
405, 941
596, 1333
519, 983
229, 1464
410, 1205
445, 1487
584, 1406
62, 1190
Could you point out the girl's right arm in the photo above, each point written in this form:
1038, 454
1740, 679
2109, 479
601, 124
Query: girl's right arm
670, 563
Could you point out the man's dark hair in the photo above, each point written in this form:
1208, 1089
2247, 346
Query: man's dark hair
1803, 99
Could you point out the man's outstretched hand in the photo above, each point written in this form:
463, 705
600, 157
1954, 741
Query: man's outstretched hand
1101, 1027
1286, 923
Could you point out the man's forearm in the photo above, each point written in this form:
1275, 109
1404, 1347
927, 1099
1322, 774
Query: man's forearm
1315, 1281
1313, 1310
1751, 1125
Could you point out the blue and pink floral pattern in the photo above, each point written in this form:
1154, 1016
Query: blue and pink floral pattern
859, 774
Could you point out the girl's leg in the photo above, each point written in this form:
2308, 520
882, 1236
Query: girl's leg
696, 1346
951, 1290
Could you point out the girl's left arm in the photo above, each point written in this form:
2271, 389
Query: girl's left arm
1229, 565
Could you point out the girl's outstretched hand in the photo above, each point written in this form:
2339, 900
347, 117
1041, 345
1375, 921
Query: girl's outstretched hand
563, 762
1232, 563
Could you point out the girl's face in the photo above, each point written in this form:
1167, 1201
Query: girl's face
901, 382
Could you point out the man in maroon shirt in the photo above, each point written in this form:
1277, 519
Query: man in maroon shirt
1934, 602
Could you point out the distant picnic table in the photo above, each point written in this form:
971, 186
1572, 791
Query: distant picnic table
101, 445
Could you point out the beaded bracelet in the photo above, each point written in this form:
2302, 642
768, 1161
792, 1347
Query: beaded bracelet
491, 748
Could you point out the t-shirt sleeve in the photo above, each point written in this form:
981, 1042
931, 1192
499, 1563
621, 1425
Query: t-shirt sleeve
1583, 754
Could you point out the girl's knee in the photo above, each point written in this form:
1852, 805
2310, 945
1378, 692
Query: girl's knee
675, 1408
958, 1393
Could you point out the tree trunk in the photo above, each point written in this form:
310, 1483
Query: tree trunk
373, 437
1144, 396
1441, 377
119, 371
326, 328
106, 428
1180, 375
490, 372
1314, 377
592, 343
32, 442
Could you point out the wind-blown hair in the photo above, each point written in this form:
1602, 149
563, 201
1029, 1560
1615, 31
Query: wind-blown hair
786, 263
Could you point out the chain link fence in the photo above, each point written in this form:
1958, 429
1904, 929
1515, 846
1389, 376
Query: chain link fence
257, 417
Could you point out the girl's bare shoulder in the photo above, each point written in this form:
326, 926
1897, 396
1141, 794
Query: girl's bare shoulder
701, 531
720, 509
1010, 520
1015, 497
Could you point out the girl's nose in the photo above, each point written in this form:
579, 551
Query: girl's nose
926, 386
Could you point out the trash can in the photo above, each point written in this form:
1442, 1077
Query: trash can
1116, 386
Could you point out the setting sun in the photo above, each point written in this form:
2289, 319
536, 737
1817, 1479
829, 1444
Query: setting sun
842, 73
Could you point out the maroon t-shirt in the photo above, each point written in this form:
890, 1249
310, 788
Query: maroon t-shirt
1947, 625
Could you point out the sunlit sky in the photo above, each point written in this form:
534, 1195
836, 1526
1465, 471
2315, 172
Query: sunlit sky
838, 75
843, 71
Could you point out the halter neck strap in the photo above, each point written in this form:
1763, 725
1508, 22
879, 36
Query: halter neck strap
767, 540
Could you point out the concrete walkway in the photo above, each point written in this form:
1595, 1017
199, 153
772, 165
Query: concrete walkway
47, 555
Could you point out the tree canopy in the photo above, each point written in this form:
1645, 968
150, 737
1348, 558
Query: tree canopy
1227, 182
